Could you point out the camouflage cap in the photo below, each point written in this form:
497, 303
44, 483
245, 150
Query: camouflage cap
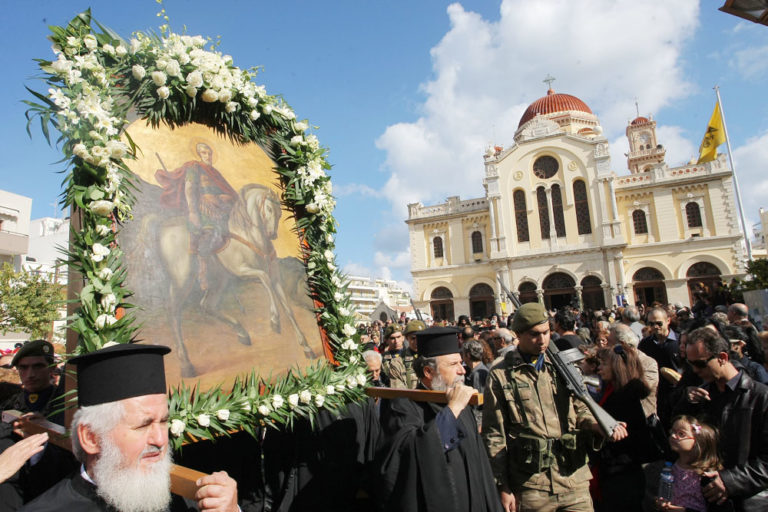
529, 315
36, 348
414, 326
391, 329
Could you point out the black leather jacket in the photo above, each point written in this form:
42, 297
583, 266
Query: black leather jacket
743, 426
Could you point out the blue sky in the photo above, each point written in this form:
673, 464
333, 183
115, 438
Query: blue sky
407, 94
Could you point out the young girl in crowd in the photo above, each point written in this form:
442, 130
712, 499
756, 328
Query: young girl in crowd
696, 446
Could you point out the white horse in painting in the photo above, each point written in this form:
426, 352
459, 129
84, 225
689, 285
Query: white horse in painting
249, 254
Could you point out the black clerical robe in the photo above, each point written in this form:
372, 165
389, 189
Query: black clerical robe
420, 471
76, 493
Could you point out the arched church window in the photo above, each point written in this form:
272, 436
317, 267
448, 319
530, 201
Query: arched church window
557, 210
437, 243
693, 215
477, 242
582, 207
521, 216
541, 198
638, 219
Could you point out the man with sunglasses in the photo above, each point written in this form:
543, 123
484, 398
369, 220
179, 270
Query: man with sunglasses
664, 347
738, 407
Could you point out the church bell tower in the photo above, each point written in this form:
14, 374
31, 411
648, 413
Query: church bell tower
644, 151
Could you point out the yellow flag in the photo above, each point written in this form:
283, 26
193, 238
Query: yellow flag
713, 138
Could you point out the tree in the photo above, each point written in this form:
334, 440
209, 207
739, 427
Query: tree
29, 302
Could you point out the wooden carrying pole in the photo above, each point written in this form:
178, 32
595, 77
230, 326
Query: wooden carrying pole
418, 395
182, 478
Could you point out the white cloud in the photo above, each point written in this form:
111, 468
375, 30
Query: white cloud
356, 269
751, 63
751, 161
679, 148
487, 72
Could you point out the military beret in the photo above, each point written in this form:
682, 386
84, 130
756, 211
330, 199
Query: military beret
391, 329
529, 315
414, 326
438, 341
36, 348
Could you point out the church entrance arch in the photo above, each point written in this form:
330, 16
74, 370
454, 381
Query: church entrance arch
481, 301
592, 296
527, 292
558, 290
441, 304
703, 277
649, 286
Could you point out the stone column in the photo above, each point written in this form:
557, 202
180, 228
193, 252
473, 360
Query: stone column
579, 297
552, 231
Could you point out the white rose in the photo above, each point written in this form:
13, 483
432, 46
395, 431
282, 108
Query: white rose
173, 68
232, 106
117, 149
255, 115
296, 140
311, 265
177, 427
268, 109
159, 78
319, 400
99, 252
353, 359
73, 42
222, 414
340, 387
348, 330
305, 396
337, 296
349, 344
313, 208
263, 410
102, 207
277, 401
293, 400
225, 95
90, 42
329, 238
246, 406
191, 91
351, 382
105, 320
210, 96
204, 420
121, 51
108, 302
80, 150
195, 79
135, 45
331, 267
328, 254
163, 92
330, 390
108, 49
362, 379
105, 274
300, 126
103, 230
139, 72
343, 311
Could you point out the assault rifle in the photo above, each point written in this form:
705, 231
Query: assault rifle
418, 313
574, 381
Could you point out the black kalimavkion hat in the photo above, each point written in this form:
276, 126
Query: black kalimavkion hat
120, 371
438, 341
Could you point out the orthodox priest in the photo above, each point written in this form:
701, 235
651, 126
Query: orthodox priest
432, 457
120, 435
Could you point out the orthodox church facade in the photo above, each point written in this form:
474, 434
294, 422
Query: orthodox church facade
559, 226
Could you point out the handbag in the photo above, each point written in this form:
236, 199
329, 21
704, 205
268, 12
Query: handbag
658, 443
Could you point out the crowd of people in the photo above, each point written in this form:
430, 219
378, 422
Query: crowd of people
679, 386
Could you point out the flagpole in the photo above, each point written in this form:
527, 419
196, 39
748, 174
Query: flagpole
735, 179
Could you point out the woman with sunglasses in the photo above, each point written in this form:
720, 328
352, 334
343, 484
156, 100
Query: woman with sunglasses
620, 478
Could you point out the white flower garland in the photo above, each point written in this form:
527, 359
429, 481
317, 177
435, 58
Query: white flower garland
94, 80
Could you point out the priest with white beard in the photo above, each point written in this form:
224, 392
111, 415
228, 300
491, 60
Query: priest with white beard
120, 435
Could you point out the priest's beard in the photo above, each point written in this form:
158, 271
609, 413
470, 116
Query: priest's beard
129, 488
439, 384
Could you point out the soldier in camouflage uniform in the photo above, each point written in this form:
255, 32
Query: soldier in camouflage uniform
393, 364
411, 353
536, 433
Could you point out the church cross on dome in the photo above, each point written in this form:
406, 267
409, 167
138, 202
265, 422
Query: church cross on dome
548, 80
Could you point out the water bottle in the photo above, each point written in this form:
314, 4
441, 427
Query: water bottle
666, 482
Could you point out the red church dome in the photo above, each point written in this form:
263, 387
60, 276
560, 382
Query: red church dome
639, 120
553, 102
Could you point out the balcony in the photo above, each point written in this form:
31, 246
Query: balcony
13, 244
